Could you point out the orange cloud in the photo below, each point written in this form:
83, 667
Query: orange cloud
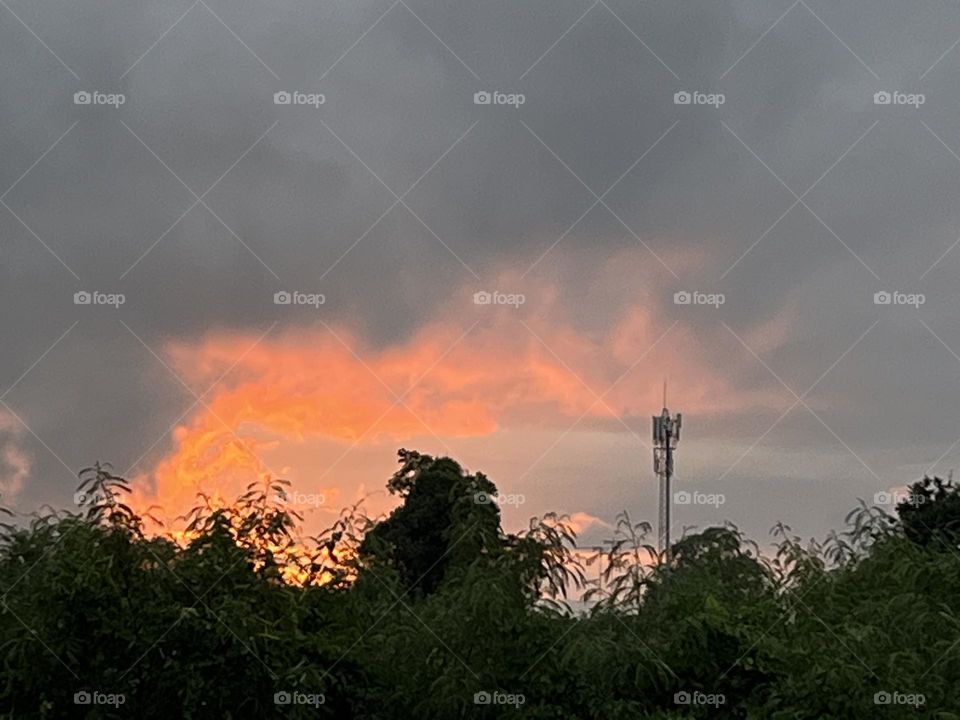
15, 464
515, 368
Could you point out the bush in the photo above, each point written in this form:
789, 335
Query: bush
435, 612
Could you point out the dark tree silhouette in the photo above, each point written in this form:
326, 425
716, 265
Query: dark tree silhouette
930, 514
447, 517
434, 612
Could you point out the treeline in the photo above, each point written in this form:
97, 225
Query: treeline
436, 612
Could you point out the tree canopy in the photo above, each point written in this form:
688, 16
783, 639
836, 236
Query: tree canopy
435, 612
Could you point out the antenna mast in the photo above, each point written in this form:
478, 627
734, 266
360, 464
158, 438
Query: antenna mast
666, 435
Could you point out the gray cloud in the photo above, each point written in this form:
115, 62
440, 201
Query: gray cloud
305, 203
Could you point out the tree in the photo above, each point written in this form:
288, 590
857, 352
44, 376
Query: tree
930, 514
447, 518
241, 614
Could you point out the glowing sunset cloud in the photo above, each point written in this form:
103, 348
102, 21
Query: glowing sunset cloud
501, 368
14, 462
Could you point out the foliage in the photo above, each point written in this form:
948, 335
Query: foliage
426, 611
930, 514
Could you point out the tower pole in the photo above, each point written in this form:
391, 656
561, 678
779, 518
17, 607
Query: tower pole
667, 475
666, 435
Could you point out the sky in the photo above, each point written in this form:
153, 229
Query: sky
500, 226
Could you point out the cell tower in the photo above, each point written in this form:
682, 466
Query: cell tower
666, 435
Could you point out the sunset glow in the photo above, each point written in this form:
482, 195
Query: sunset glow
507, 372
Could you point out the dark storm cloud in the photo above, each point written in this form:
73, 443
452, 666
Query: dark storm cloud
302, 197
